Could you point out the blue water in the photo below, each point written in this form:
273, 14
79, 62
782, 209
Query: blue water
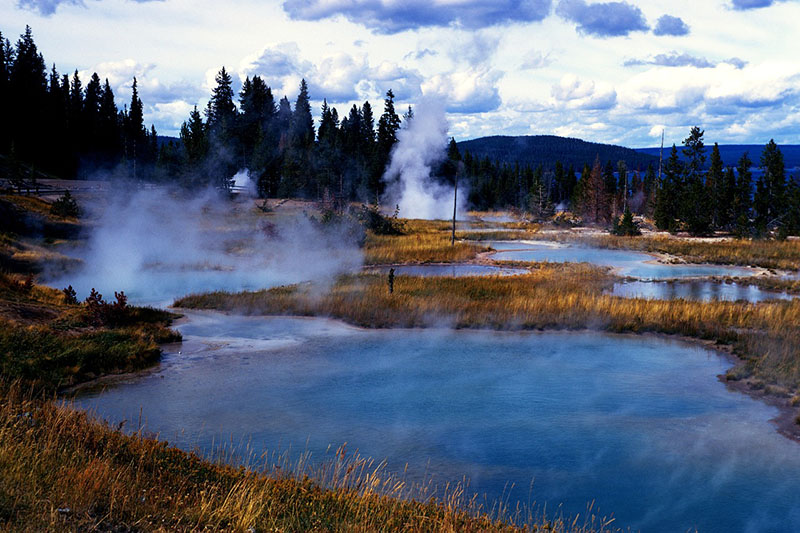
704, 291
454, 270
627, 263
640, 425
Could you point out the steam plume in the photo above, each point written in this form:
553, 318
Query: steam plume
421, 145
158, 245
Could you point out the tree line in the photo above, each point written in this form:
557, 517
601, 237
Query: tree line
687, 197
53, 123
682, 195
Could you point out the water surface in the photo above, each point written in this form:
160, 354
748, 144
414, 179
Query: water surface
625, 262
703, 291
453, 270
640, 425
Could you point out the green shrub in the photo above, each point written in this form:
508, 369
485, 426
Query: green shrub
65, 207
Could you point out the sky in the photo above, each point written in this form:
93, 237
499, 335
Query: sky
615, 72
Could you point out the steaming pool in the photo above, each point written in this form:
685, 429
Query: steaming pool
627, 263
640, 425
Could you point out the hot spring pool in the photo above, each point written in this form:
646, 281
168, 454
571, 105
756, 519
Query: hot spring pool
639, 425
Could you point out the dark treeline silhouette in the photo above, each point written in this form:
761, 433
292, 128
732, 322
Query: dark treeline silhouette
279, 144
703, 198
53, 123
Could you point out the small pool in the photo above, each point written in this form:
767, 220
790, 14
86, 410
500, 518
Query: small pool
454, 270
703, 291
640, 425
626, 262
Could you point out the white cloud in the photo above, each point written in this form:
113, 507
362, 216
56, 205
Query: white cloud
170, 115
507, 71
536, 59
467, 91
573, 92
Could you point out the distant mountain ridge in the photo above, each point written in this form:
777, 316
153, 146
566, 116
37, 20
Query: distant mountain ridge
546, 150
731, 153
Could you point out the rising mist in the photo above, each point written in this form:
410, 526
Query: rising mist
160, 244
421, 145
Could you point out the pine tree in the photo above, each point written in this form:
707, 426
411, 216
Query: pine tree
726, 200
626, 227
352, 132
109, 130
743, 202
302, 128
388, 125
194, 138
791, 222
5, 73
257, 107
695, 153
135, 132
595, 207
55, 136
715, 187
695, 209
283, 121
669, 193
770, 189
367, 128
327, 128
27, 98
221, 111
91, 108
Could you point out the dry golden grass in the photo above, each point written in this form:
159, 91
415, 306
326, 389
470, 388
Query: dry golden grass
60, 470
29, 203
428, 241
417, 247
565, 296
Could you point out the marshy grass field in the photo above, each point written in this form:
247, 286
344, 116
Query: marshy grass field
61, 469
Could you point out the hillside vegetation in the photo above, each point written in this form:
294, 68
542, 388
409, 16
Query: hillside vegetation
546, 150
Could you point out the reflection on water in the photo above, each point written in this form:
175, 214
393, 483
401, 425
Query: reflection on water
454, 270
638, 424
627, 263
695, 290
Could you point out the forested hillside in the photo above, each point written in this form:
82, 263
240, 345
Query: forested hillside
734, 152
546, 150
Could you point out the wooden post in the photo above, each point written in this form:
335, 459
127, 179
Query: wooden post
455, 205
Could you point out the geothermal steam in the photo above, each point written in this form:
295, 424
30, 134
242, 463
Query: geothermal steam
244, 184
158, 245
422, 143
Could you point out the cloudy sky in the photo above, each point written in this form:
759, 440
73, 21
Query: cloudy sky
615, 72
